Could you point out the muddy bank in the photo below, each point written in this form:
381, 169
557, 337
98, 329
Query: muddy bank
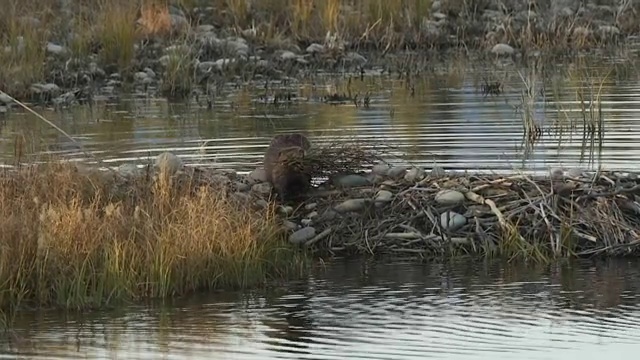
204, 48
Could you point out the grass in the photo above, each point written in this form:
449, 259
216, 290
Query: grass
84, 239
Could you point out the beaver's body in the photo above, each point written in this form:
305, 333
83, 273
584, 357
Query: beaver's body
284, 165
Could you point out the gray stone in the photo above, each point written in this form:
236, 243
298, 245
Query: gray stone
258, 175
381, 169
241, 197
351, 205
384, 196
310, 206
241, 187
397, 172
452, 221
286, 210
303, 235
262, 203
352, 181
128, 170
414, 174
503, 49
556, 173
312, 214
56, 49
5, 99
262, 188
449, 197
288, 55
168, 162
575, 172
328, 215
306, 222
315, 48
290, 225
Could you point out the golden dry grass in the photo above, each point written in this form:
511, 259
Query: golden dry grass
74, 240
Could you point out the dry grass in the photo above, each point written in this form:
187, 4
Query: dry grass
74, 240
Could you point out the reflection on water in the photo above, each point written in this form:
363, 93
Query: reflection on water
371, 310
448, 120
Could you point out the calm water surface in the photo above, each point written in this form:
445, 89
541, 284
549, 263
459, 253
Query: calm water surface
448, 120
363, 310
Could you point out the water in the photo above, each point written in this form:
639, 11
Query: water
448, 120
367, 310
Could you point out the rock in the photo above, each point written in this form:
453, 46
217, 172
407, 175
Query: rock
556, 173
315, 48
310, 206
328, 215
262, 188
128, 170
3, 110
397, 172
5, 99
303, 235
352, 181
575, 172
452, 221
381, 169
288, 55
312, 214
449, 197
354, 58
503, 49
241, 197
437, 172
56, 49
168, 162
383, 196
306, 222
258, 175
262, 203
351, 205
290, 225
286, 210
414, 174
241, 187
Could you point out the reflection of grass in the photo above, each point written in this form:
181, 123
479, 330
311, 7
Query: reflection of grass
70, 241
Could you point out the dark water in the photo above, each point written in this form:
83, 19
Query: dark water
445, 119
361, 310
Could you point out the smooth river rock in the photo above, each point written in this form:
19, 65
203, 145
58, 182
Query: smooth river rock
449, 197
455, 220
303, 235
384, 196
414, 174
168, 162
380, 169
397, 172
351, 205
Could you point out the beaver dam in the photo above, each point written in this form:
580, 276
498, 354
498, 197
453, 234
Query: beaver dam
428, 212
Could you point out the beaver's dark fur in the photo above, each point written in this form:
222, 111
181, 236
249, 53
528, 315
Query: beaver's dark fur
284, 165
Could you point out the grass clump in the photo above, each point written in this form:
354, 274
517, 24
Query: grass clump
78, 239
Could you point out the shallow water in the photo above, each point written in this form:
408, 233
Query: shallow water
369, 310
448, 120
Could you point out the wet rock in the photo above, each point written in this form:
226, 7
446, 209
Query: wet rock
168, 162
262, 188
449, 197
414, 174
452, 221
397, 172
290, 225
258, 175
381, 169
383, 196
352, 181
311, 206
503, 49
241, 187
351, 205
303, 235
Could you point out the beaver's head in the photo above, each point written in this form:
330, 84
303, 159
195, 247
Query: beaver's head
291, 154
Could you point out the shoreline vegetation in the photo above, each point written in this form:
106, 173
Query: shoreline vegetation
76, 236
67, 52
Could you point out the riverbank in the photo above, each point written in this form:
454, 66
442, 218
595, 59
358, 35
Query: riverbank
63, 53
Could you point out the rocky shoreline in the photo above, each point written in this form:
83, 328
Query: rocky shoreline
203, 53
431, 212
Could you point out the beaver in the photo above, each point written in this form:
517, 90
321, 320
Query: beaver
284, 165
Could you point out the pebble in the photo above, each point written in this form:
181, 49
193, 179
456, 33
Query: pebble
556, 173
449, 197
258, 175
397, 172
455, 222
414, 174
241, 187
287, 210
128, 170
303, 235
262, 188
328, 215
306, 222
351, 205
437, 172
312, 214
384, 196
310, 206
241, 197
168, 162
503, 49
575, 172
290, 225
262, 203
380, 169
